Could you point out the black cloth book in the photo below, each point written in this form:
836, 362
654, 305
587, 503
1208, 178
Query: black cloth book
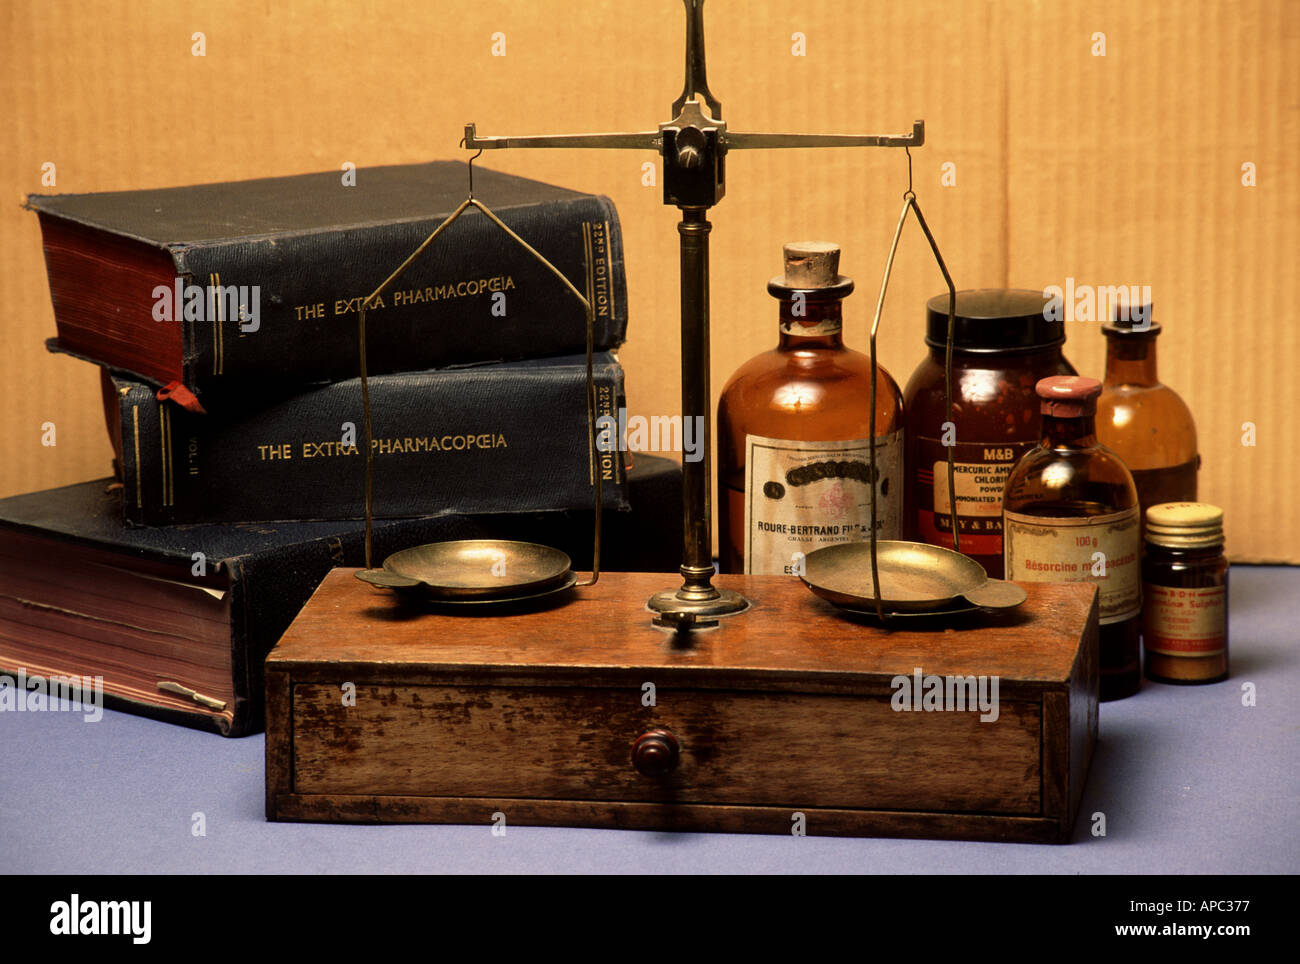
511, 437
199, 607
253, 286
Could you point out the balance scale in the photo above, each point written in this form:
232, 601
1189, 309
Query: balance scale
520, 693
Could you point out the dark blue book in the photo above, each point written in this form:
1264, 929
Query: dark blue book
253, 286
511, 437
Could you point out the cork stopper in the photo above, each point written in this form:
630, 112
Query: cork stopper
1184, 525
811, 264
1129, 318
1068, 396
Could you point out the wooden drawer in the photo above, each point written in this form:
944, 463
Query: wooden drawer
452, 719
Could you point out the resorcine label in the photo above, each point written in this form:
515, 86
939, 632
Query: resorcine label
1100, 549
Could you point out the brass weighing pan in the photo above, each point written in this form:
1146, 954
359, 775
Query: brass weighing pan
507, 595
567, 581
914, 578
475, 570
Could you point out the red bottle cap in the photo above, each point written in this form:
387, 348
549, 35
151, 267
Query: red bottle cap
1068, 396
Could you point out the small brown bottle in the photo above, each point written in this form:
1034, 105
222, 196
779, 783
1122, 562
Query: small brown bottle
1141, 420
1070, 514
1185, 594
794, 467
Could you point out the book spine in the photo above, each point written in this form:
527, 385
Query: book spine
278, 311
497, 438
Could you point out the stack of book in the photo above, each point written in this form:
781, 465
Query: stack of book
225, 321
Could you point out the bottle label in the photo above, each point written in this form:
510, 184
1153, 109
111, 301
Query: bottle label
1184, 622
980, 472
800, 496
1101, 549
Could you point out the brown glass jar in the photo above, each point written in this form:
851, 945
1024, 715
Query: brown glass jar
1002, 346
1185, 594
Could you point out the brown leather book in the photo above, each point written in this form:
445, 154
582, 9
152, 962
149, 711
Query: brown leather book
177, 620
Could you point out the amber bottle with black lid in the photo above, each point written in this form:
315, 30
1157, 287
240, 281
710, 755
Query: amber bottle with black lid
1140, 419
1070, 514
1185, 594
1003, 344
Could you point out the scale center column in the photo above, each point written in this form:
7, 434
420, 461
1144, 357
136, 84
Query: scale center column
698, 601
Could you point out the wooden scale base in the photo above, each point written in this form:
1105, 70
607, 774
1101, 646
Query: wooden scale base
784, 719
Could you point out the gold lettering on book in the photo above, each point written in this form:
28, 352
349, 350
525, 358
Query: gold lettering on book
315, 450
406, 445
599, 289
456, 289
443, 443
608, 460
465, 288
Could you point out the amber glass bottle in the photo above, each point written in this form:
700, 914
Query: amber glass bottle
794, 469
1185, 594
1070, 514
1142, 421
1002, 346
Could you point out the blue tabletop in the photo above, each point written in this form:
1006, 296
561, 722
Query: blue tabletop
1190, 780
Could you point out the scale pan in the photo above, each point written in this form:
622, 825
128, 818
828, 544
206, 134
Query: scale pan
483, 569
500, 603
914, 578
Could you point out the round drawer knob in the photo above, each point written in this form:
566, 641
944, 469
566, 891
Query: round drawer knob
655, 753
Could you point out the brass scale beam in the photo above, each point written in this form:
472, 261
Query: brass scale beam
694, 147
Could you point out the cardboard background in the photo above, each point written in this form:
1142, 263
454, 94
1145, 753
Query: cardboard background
1122, 169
